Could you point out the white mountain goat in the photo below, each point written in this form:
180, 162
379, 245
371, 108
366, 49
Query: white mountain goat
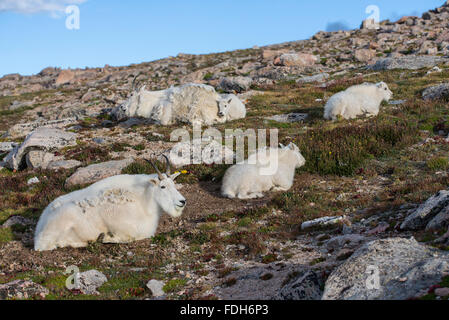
364, 99
190, 103
119, 209
248, 180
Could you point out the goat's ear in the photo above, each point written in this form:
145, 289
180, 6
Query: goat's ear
281, 146
154, 182
230, 100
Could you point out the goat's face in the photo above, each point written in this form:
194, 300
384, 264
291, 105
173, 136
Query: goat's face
223, 107
300, 159
133, 100
167, 196
386, 92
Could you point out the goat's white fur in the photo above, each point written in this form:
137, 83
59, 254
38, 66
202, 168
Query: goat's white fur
190, 103
246, 181
123, 208
364, 99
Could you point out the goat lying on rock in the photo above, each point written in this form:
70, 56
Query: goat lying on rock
268, 169
121, 209
364, 99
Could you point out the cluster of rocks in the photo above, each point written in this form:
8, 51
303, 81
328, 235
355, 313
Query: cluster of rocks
36, 151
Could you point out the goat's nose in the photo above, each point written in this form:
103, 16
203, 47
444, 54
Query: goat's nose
221, 114
183, 202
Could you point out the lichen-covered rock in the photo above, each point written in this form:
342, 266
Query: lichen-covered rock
16, 220
22, 129
7, 146
320, 77
64, 77
390, 269
288, 118
364, 55
22, 289
296, 60
437, 92
305, 286
209, 152
320, 222
437, 207
39, 159
63, 164
156, 288
45, 139
97, 172
88, 282
407, 62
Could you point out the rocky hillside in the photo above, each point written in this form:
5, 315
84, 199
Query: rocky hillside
368, 198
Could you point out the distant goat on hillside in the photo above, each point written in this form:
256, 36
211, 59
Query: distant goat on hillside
364, 99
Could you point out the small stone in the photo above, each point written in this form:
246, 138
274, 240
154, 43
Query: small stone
321, 222
289, 118
89, 281
96, 172
34, 180
39, 159
156, 288
16, 220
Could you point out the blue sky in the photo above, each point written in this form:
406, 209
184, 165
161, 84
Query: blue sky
116, 32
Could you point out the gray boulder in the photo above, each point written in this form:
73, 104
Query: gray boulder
45, 139
235, 84
156, 288
321, 77
16, 220
289, 118
432, 215
22, 129
7, 146
321, 222
437, 92
39, 159
305, 286
407, 62
96, 172
402, 267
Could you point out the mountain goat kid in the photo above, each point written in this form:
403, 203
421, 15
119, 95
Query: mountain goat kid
364, 99
190, 103
248, 180
119, 209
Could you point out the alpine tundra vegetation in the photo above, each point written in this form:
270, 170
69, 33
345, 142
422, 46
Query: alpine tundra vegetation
369, 191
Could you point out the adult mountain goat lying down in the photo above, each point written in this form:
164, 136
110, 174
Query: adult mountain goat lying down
190, 103
122, 209
269, 169
364, 99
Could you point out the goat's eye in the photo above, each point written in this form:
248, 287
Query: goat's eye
163, 187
